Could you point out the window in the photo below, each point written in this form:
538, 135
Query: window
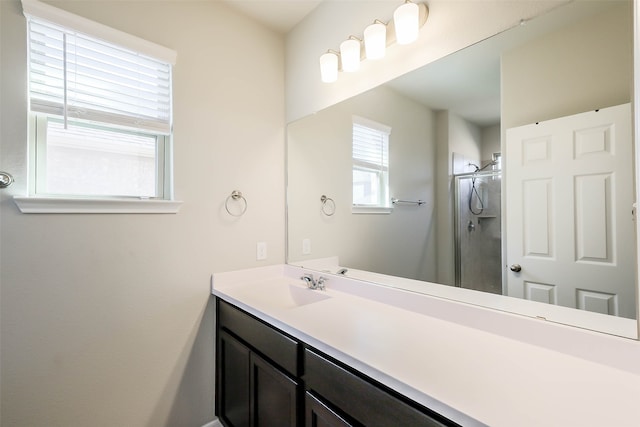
370, 166
87, 159
100, 113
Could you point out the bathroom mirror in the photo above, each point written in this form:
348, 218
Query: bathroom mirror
463, 137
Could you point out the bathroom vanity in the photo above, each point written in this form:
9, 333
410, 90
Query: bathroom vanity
264, 374
363, 354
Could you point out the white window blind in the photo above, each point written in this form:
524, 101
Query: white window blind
370, 144
76, 75
370, 147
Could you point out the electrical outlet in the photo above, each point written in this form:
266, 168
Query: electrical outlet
261, 251
306, 246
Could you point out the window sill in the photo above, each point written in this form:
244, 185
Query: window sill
112, 206
370, 210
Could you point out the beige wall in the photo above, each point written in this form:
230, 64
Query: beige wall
106, 320
582, 67
319, 161
490, 142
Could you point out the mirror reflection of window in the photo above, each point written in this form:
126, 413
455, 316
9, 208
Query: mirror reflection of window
370, 163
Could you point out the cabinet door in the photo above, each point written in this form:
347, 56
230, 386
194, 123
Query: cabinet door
320, 415
233, 386
274, 396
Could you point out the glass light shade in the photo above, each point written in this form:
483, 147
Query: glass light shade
329, 67
406, 20
350, 54
375, 40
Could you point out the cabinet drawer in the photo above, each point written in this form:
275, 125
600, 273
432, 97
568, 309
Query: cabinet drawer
266, 340
361, 399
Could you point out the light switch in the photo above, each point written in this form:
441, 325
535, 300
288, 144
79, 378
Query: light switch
306, 246
261, 251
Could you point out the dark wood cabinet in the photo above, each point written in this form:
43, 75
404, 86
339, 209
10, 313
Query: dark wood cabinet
318, 414
266, 378
274, 398
277, 347
360, 398
233, 381
250, 390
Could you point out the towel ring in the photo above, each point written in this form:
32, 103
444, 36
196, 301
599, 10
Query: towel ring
328, 205
236, 195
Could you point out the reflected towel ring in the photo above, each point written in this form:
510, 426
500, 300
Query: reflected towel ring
236, 195
328, 205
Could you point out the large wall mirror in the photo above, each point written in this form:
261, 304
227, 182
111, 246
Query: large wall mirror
506, 178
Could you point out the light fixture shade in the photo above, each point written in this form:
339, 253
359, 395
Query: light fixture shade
406, 20
350, 54
329, 67
375, 40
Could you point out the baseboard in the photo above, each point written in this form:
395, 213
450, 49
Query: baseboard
214, 423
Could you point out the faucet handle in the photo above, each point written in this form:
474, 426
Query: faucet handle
320, 282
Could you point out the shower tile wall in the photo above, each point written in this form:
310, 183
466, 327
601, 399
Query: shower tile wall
479, 236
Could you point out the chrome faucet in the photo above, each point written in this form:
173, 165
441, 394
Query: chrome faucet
313, 283
308, 279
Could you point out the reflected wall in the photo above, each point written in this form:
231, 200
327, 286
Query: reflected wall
319, 163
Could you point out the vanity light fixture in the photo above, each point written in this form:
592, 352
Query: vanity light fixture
375, 40
329, 66
406, 20
350, 54
402, 29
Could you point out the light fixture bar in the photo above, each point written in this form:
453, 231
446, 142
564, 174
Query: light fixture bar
404, 28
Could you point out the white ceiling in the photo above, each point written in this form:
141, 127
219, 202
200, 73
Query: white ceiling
279, 15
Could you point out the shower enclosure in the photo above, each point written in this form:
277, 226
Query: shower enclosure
478, 236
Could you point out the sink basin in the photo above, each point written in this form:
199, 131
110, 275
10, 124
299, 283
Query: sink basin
279, 295
302, 296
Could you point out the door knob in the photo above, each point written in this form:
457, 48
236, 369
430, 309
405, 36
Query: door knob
5, 179
515, 268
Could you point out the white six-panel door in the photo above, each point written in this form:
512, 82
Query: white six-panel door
569, 222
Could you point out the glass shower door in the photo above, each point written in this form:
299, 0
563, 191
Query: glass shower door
478, 235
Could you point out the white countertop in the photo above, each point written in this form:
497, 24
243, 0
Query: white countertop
476, 368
